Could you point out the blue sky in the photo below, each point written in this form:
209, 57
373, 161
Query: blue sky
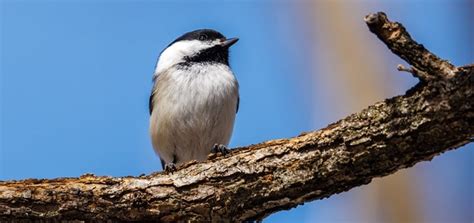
76, 76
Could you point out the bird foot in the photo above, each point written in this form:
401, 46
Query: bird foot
170, 167
219, 148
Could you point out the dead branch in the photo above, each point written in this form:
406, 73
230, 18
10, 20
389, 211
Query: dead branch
255, 181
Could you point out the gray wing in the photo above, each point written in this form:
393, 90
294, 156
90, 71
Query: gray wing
238, 103
150, 101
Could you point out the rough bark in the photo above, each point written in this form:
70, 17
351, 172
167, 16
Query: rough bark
433, 117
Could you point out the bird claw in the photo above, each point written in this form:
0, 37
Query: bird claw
219, 148
170, 167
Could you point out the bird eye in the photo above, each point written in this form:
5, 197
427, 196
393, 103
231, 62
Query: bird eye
203, 37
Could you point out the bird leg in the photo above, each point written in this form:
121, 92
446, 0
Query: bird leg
169, 167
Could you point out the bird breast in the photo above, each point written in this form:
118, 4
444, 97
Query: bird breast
194, 108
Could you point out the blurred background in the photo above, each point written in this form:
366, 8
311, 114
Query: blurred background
76, 76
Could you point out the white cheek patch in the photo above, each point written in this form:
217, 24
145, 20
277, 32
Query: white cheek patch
176, 53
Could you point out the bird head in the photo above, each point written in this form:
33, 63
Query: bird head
198, 46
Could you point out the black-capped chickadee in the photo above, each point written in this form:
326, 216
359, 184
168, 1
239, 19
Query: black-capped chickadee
195, 98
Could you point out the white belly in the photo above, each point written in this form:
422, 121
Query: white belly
193, 111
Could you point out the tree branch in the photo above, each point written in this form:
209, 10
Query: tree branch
253, 182
394, 35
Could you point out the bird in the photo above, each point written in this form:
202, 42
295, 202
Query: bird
194, 99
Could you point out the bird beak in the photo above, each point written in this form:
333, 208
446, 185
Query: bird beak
229, 42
